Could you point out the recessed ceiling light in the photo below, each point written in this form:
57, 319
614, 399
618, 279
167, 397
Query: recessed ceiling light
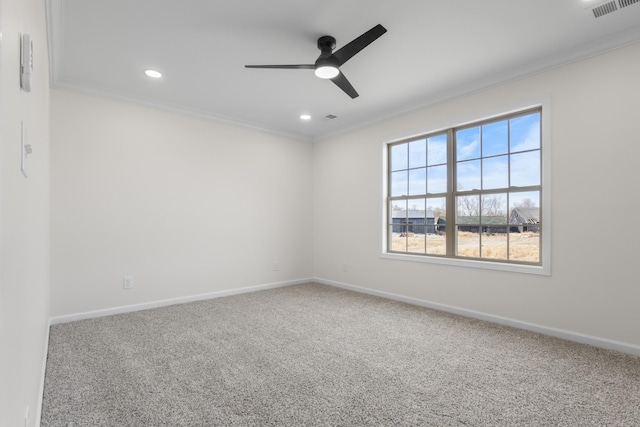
305, 117
153, 73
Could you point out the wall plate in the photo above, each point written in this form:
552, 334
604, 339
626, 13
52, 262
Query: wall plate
26, 63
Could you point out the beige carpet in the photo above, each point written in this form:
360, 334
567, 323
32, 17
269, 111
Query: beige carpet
317, 355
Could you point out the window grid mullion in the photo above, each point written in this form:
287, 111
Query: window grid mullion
450, 234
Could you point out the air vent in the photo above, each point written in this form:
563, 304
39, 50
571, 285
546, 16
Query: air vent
604, 9
625, 3
611, 6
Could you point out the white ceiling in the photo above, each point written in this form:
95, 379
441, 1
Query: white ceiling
433, 50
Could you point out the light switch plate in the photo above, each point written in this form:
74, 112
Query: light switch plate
26, 62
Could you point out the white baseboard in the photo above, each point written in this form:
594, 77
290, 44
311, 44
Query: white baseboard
558, 333
43, 371
163, 303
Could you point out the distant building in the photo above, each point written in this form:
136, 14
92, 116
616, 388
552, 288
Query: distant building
413, 221
488, 224
521, 220
525, 219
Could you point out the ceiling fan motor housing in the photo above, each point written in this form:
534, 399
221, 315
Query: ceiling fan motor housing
326, 43
326, 66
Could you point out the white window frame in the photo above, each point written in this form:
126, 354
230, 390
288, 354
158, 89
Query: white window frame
545, 262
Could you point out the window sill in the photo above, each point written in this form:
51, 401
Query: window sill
457, 262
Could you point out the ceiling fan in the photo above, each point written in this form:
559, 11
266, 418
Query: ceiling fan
327, 66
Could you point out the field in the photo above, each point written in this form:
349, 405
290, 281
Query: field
522, 246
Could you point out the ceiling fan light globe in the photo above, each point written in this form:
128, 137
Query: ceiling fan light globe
327, 71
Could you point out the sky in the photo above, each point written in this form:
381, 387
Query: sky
500, 154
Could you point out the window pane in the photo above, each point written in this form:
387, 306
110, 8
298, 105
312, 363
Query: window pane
417, 153
525, 169
524, 226
437, 244
397, 227
468, 241
398, 241
437, 179
467, 230
417, 181
495, 172
399, 159
436, 237
524, 199
494, 209
438, 207
416, 208
417, 216
494, 245
468, 175
416, 222
524, 247
399, 182
397, 209
525, 132
416, 243
410, 222
437, 150
417, 219
468, 210
468, 144
495, 138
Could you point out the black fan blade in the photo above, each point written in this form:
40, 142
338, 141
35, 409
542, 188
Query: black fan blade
341, 81
290, 67
347, 51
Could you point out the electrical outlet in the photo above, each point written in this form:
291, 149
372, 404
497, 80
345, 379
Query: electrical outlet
127, 282
276, 266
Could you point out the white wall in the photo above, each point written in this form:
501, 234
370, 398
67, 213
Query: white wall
24, 216
593, 288
185, 206
188, 206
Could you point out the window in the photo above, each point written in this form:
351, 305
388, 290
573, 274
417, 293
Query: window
472, 192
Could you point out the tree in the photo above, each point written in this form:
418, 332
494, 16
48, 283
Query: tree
526, 203
492, 205
437, 212
468, 206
